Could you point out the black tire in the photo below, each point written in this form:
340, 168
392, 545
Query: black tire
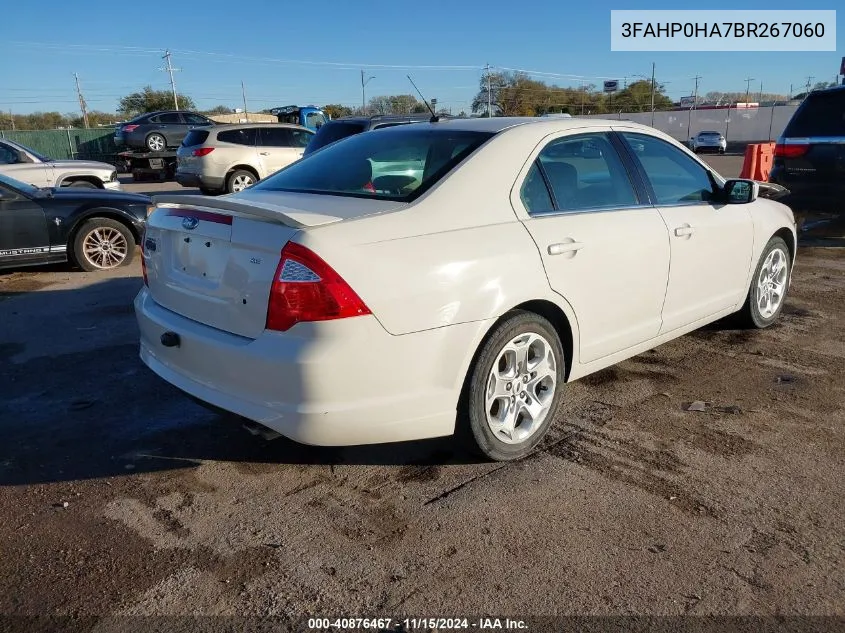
239, 174
82, 184
750, 315
123, 252
473, 418
148, 142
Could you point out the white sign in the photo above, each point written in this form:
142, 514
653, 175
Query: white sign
686, 102
723, 30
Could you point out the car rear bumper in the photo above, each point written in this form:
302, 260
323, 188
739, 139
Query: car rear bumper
808, 196
333, 383
188, 179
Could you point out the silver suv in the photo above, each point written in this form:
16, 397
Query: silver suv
230, 158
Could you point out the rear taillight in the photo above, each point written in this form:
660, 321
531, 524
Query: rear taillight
306, 288
791, 150
202, 151
144, 258
129, 128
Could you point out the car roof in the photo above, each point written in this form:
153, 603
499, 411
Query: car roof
499, 124
222, 127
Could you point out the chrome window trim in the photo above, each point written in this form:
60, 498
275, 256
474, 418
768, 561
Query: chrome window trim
809, 140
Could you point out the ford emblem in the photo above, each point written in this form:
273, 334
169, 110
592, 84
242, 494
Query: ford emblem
189, 223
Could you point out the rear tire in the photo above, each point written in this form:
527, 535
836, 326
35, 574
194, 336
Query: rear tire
102, 244
515, 386
769, 286
239, 180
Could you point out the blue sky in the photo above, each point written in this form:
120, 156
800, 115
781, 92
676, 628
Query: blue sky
116, 48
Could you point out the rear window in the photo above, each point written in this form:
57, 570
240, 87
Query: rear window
399, 164
334, 131
195, 137
821, 114
710, 134
246, 136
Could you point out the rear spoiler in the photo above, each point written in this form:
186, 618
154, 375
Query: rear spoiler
276, 213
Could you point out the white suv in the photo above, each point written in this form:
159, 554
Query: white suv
230, 158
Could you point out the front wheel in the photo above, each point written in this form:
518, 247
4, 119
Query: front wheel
156, 143
769, 286
82, 184
102, 244
515, 387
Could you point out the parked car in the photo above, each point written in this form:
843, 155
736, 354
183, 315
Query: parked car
336, 306
156, 131
810, 154
338, 129
25, 164
94, 229
230, 158
709, 141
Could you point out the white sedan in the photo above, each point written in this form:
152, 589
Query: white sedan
345, 300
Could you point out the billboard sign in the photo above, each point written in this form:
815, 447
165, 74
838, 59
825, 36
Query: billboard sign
611, 86
686, 102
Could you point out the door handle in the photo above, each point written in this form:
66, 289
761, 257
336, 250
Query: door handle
565, 247
264, 153
684, 231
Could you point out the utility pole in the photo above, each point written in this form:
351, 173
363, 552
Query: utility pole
169, 68
489, 94
583, 96
363, 94
243, 94
652, 94
695, 94
809, 83
790, 92
760, 98
748, 88
82, 105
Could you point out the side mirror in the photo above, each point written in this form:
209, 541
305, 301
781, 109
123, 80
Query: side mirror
739, 191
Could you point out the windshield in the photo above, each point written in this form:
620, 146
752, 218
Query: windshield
396, 164
17, 184
40, 157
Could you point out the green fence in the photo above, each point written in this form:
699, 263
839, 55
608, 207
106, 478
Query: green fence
96, 144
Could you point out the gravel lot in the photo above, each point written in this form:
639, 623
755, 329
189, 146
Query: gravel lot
120, 496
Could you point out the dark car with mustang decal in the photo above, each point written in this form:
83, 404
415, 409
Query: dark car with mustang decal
95, 229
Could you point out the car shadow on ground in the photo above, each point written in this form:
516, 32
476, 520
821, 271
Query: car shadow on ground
76, 402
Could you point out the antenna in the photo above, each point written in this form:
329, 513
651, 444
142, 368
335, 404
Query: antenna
434, 117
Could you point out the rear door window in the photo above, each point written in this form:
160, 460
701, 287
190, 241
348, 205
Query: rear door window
245, 136
195, 119
275, 137
585, 172
821, 114
170, 118
195, 137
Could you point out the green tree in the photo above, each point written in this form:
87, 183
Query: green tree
637, 98
218, 109
335, 110
149, 100
395, 104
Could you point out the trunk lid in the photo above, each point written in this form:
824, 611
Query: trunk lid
213, 260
